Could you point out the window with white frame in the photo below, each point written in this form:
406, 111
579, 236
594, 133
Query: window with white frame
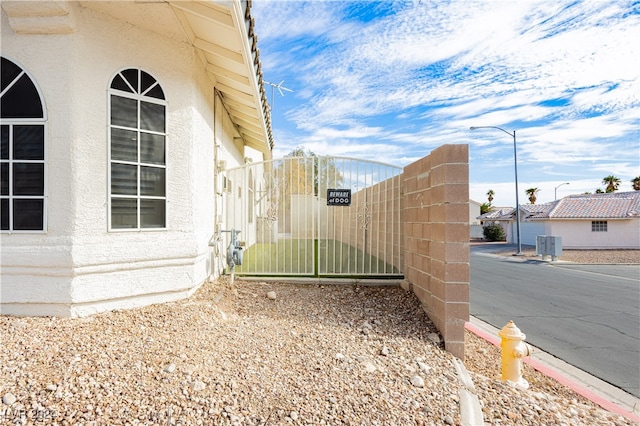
599, 226
22, 152
137, 152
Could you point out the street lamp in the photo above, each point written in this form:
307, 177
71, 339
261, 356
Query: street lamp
515, 162
555, 191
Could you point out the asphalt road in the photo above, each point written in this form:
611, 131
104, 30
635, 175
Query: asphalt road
586, 315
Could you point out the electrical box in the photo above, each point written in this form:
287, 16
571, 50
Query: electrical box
548, 245
541, 244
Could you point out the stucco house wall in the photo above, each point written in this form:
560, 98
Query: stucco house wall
577, 234
584, 221
77, 266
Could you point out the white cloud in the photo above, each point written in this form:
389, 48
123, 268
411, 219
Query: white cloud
394, 81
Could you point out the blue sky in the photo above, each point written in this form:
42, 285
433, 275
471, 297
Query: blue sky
391, 81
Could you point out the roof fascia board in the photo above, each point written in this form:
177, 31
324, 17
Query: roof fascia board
253, 75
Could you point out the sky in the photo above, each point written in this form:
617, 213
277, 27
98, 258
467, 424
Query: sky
391, 81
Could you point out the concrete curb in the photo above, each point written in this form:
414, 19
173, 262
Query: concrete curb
598, 391
470, 409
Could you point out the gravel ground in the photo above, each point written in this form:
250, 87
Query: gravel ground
314, 355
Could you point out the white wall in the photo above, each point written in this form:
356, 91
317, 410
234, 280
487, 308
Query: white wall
577, 234
77, 266
529, 231
474, 212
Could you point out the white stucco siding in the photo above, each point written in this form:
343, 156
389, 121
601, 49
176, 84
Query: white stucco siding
203, 198
577, 234
105, 46
41, 61
164, 262
77, 266
36, 266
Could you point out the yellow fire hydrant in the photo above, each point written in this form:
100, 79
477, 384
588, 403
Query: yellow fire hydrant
513, 350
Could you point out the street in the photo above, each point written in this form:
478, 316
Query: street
586, 315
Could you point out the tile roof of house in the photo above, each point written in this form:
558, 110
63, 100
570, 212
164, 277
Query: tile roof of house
615, 205
597, 206
498, 214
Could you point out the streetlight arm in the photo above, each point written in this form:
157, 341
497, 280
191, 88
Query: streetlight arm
555, 190
513, 135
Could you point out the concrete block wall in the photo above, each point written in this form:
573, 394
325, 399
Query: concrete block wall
382, 237
436, 239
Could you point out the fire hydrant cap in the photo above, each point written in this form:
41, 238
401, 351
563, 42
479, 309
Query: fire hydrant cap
510, 331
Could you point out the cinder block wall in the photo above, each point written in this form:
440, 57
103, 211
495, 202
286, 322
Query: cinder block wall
436, 239
383, 234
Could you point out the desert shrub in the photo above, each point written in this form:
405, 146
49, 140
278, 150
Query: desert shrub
494, 233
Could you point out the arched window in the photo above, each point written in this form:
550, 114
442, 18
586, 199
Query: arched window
22, 153
137, 152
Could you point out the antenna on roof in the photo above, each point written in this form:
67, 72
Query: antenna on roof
280, 88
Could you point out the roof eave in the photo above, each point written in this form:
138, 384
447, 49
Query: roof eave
232, 61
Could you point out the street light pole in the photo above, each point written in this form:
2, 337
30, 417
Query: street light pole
555, 191
515, 163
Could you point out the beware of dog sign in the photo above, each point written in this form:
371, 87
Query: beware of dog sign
338, 197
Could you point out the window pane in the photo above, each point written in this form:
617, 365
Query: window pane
131, 75
28, 142
4, 214
147, 81
119, 84
4, 179
152, 213
4, 143
152, 181
28, 215
9, 72
124, 213
28, 179
151, 148
155, 92
124, 179
21, 100
124, 145
151, 116
124, 112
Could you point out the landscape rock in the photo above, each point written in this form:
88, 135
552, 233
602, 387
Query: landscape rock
417, 381
8, 399
266, 363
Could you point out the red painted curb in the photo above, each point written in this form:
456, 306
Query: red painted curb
577, 388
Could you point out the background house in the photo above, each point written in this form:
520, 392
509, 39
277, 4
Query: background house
118, 120
475, 228
584, 221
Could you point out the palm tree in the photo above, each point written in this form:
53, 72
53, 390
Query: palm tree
636, 183
531, 193
599, 191
490, 195
612, 183
485, 208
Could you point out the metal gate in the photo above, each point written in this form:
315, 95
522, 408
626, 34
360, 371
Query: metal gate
316, 216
